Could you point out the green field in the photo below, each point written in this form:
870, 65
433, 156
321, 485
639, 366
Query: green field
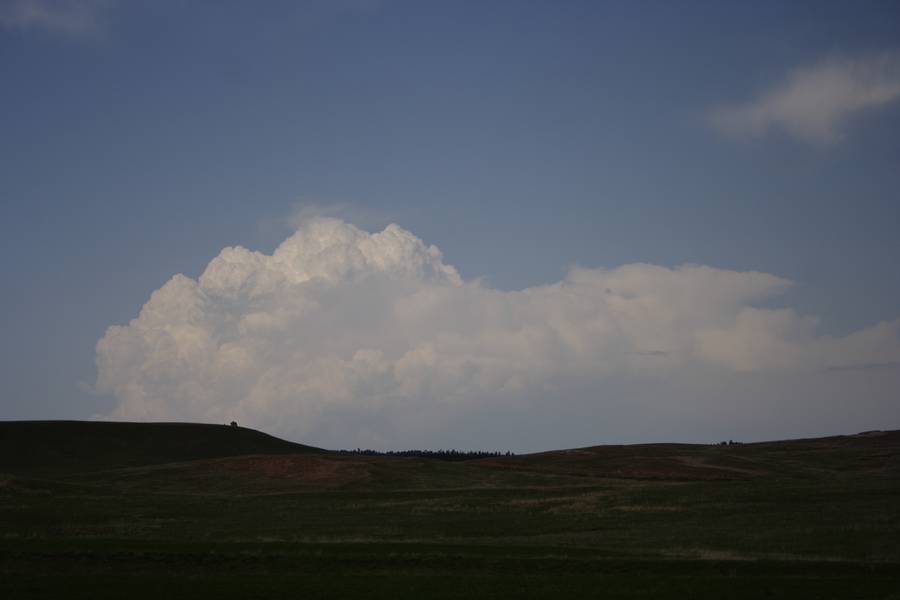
112, 510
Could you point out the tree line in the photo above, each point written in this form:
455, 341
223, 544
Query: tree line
436, 454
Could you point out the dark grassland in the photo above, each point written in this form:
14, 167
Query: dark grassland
114, 510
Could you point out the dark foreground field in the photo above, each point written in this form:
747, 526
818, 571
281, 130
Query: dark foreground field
113, 510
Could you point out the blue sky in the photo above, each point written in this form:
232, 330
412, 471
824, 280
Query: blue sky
521, 138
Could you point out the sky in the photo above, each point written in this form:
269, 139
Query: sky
485, 225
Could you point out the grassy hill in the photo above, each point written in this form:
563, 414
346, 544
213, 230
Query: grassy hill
103, 510
874, 452
72, 446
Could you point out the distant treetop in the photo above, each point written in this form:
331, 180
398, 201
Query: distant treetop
452, 455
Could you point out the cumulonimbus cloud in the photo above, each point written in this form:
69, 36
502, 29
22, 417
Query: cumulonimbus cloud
345, 338
814, 102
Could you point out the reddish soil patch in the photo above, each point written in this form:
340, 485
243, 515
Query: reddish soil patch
618, 462
295, 468
702, 462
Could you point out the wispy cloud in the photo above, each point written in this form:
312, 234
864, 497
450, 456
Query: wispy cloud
74, 17
865, 366
308, 210
814, 102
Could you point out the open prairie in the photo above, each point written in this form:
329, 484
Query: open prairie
182, 510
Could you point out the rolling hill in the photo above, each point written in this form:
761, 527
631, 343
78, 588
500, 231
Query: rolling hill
106, 510
44, 447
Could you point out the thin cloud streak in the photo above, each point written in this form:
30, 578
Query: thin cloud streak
875, 366
815, 102
72, 17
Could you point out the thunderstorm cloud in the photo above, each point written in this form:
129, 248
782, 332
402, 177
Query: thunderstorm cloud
342, 338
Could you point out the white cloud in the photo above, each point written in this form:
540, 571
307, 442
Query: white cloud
814, 102
65, 16
345, 338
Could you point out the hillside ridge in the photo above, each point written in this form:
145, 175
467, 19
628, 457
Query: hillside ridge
70, 445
